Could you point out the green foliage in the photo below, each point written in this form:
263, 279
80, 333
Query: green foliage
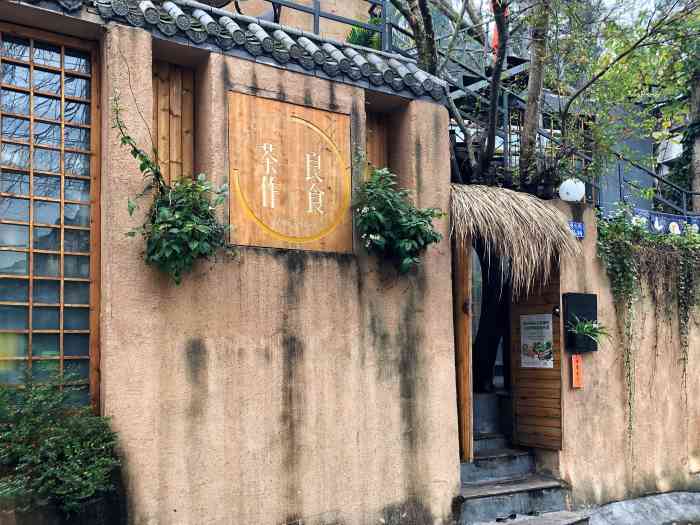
631, 253
181, 226
360, 36
591, 329
389, 223
682, 172
54, 454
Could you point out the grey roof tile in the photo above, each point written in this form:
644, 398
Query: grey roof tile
272, 43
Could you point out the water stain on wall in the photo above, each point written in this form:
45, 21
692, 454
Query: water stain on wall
409, 512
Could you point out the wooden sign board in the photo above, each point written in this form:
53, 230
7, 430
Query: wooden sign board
290, 175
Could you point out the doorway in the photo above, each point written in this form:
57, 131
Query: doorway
508, 359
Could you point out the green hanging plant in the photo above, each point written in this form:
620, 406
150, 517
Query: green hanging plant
181, 226
630, 253
390, 225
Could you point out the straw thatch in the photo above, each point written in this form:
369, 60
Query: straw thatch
527, 234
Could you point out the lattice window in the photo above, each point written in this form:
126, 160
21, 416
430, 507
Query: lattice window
48, 198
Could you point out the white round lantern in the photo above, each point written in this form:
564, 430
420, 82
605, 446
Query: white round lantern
572, 190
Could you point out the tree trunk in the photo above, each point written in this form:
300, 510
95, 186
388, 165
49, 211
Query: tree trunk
695, 126
500, 14
528, 139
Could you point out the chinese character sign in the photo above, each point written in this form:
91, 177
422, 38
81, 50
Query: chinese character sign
290, 175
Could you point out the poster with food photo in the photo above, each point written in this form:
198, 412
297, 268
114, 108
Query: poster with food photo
536, 348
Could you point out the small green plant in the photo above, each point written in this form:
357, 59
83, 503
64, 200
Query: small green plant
591, 329
365, 37
181, 226
390, 225
53, 453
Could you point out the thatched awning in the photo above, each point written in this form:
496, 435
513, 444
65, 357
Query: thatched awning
527, 234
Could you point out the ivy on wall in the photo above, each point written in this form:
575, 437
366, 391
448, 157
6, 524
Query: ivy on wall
632, 255
181, 226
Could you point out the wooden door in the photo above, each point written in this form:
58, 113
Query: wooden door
173, 119
536, 380
462, 282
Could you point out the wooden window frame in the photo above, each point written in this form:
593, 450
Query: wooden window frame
91, 47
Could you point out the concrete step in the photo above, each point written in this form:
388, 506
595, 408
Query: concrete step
498, 465
483, 502
563, 517
489, 441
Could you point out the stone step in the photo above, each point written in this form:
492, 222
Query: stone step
532, 494
497, 465
563, 517
489, 441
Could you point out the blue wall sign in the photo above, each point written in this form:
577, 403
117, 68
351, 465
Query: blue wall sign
578, 229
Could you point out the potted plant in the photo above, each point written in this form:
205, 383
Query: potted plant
585, 334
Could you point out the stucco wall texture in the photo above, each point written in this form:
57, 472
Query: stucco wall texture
281, 385
599, 459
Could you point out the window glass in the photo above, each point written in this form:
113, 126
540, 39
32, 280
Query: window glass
12, 209
47, 238
16, 129
14, 182
46, 81
15, 47
15, 74
76, 60
47, 54
77, 87
14, 155
45, 214
47, 186
14, 263
14, 235
14, 102
76, 292
45, 318
15, 290
46, 345
46, 292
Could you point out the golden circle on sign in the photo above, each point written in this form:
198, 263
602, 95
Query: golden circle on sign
335, 219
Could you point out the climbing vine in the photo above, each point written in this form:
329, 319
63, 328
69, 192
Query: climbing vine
181, 226
632, 254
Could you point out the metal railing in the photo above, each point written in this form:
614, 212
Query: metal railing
376, 9
666, 193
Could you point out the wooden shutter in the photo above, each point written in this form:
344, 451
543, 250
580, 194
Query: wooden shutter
173, 119
377, 140
537, 391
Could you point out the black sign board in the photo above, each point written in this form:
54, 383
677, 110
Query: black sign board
579, 307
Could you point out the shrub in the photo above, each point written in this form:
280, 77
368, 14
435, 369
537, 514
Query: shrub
389, 223
181, 226
53, 453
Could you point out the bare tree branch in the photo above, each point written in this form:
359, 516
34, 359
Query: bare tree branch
500, 9
453, 39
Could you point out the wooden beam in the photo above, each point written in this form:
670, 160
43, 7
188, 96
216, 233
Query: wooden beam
461, 286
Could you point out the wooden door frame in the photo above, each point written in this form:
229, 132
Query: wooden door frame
461, 294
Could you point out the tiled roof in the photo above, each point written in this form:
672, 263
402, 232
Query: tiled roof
203, 24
